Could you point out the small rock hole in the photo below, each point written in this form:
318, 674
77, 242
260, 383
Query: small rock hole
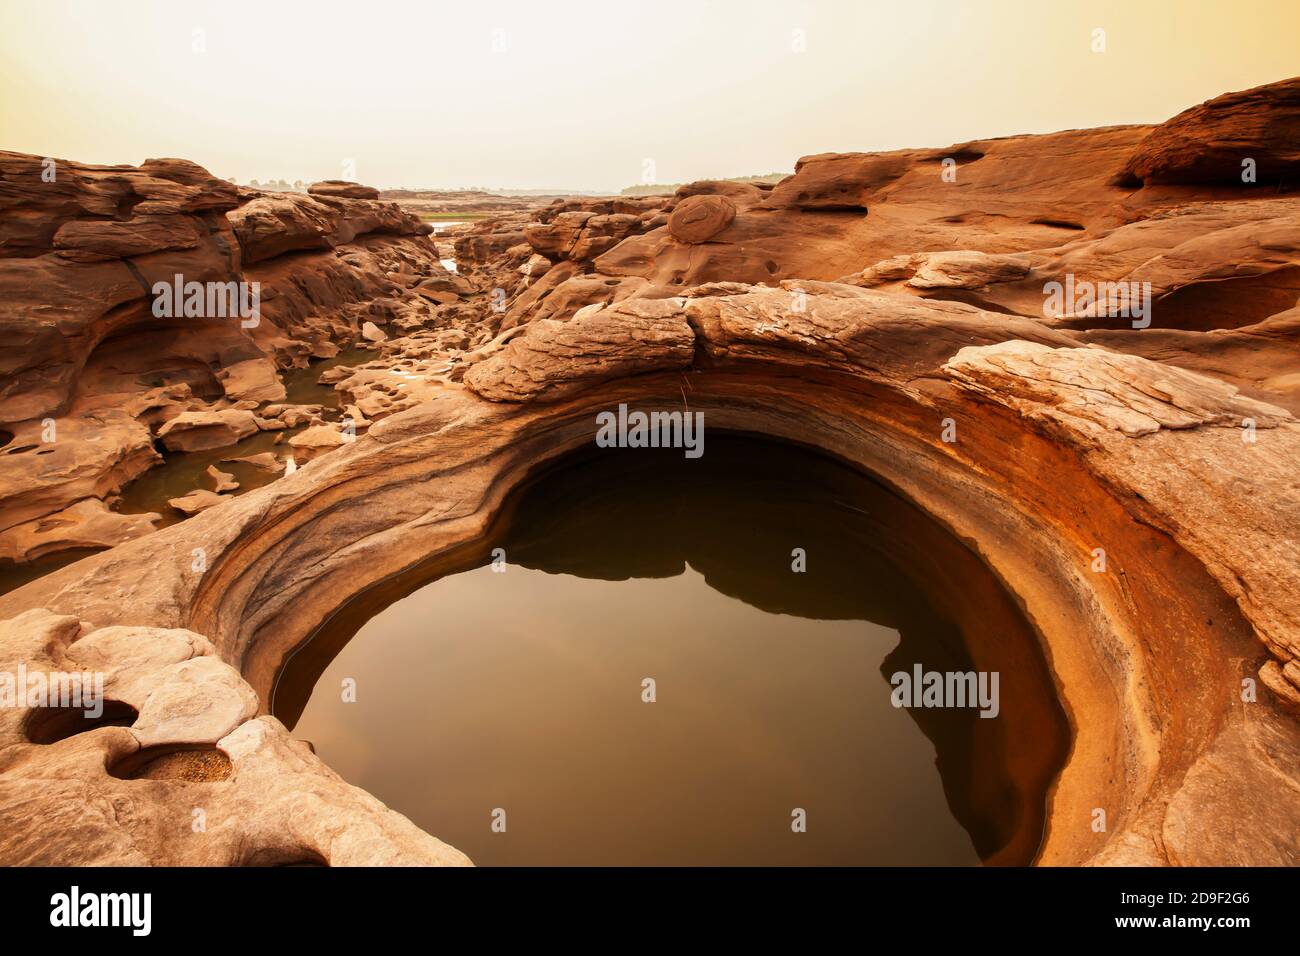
49, 725
165, 762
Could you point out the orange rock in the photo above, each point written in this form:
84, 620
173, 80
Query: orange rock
1214, 142
698, 218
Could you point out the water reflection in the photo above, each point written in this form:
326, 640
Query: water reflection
523, 690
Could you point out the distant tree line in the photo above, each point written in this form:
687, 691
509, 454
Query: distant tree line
654, 189
278, 184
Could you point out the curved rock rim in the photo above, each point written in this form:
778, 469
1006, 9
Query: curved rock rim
1147, 661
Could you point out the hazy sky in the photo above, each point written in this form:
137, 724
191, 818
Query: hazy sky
581, 94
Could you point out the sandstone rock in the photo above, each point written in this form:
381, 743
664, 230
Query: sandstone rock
1236, 757
316, 441
91, 456
79, 257
1230, 489
893, 348
1284, 686
291, 416
353, 414
269, 225
198, 500
837, 181
554, 239
554, 359
254, 380
62, 249
90, 241
222, 481
489, 239
1209, 143
1120, 392
535, 267
893, 269
86, 524
279, 805
155, 406
446, 282
265, 461
966, 270
441, 296
196, 431
601, 233
699, 218
342, 188
372, 333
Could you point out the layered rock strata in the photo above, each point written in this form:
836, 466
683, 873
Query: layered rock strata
100, 375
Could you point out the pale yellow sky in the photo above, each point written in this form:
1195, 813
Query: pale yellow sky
581, 94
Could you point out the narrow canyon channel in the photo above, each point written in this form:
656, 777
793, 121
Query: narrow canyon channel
515, 692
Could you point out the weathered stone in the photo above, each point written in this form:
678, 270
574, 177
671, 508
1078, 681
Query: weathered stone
698, 218
1211, 142
222, 481
86, 524
316, 441
60, 803
195, 431
198, 500
342, 188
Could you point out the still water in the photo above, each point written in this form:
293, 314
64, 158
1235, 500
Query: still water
182, 472
524, 690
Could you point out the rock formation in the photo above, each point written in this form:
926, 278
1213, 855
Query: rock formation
1077, 351
1215, 142
94, 375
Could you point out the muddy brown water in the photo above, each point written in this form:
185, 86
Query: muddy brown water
183, 472
486, 696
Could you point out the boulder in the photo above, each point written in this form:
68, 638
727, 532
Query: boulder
222, 481
254, 380
342, 189
264, 461
699, 218
315, 441
198, 500
1213, 142
197, 431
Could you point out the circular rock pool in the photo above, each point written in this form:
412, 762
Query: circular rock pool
760, 656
